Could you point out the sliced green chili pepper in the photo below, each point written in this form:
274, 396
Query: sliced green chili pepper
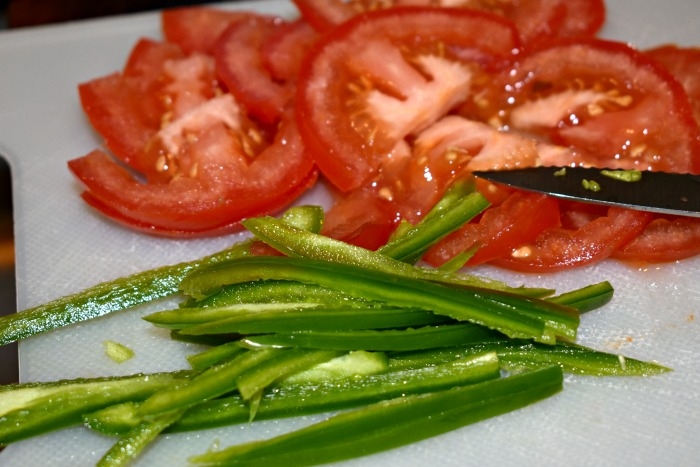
299, 243
192, 316
297, 396
136, 439
318, 318
389, 424
477, 305
586, 298
30, 410
427, 337
214, 355
520, 354
456, 208
254, 380
272, 292
213, 382
107, 297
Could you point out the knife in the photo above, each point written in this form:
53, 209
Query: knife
661, 192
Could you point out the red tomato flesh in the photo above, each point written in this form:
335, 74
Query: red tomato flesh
353, 111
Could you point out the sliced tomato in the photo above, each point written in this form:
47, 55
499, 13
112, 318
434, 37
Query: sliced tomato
159, 84
560, 248
612, 103
582, 18
520, 219
240, 65
417, 63
535, 20
363, 219
684, 65
326, 14
664, 240
125, 109
283, 52
196, 29
221, 186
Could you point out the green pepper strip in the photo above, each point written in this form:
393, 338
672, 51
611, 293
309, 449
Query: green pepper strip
187, 317
129, 291
135, 441
318, 319
427, 337
203, 360
305, 397
456, 208
393, 423
30, 410
106, 297
480, 306
287, 363
299, 243
519, 354
586, 298
213, 382
272, 292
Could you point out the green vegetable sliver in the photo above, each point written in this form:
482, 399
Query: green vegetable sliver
392, 423
129, 446
427, 337
318, 318
40, 408
106, 297
456, 208
302, 244
213, 382
459, 303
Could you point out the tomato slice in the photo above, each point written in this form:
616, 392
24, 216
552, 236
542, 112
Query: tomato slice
363, 219
284, 51
417, 63
520, 219
159, 84
240, 65
534, 19
221, 186
560, 248
582, 18
684, 65
324, 15
612, 103
125, 108
196, 29
664, 240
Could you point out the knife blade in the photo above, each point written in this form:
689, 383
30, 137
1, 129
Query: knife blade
661, 192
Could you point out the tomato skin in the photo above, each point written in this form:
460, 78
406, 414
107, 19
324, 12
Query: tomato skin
225, 188
536, 20
560, 249
283, 52
239, 64
126, 108
196, 29
664, 240
323, 15
327, 121
520, 219
684, 64
620, 108
362, 219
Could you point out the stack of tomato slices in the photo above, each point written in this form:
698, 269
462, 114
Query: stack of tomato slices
234, 114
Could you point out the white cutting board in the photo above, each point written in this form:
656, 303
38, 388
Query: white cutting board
63, 247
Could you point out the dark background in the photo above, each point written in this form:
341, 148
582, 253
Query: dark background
21, 14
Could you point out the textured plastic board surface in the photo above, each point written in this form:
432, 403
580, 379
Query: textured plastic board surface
63, 247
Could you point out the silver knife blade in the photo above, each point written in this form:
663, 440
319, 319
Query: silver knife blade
661, 192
